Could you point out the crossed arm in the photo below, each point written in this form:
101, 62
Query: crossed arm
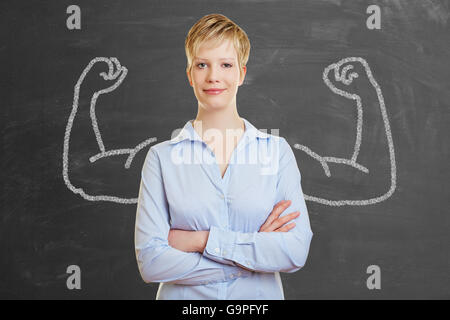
196, 241
217, 255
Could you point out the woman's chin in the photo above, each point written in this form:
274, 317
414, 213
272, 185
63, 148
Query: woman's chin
214, 106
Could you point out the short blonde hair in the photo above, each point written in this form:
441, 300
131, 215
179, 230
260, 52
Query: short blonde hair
218, 28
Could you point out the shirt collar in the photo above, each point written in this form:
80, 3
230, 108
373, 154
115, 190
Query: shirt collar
188, 132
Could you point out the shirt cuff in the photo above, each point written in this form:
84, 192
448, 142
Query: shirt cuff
219, 244
229, 273
220, 247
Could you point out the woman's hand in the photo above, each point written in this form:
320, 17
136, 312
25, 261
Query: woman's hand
275, 224
195, 241
188, 241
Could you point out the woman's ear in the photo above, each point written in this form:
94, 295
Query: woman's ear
243, 73
189, 78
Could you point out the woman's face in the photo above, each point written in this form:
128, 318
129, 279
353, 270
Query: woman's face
216, 68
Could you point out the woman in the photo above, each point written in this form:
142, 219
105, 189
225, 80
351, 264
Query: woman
206, 224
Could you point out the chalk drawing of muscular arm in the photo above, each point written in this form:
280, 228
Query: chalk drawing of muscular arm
340, 73
113, 78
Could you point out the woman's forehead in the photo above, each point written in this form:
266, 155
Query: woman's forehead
210, 49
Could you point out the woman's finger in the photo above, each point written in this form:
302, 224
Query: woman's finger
271, 216
274, 221
281, 221
286, 228
277, 210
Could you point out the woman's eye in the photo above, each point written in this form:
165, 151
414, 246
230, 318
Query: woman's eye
225, 64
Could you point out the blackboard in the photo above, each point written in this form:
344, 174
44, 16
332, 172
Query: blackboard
394, 215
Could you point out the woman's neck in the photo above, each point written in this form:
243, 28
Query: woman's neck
216, 120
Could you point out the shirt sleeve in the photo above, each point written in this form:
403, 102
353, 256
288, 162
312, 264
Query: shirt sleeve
269, 251
157, 260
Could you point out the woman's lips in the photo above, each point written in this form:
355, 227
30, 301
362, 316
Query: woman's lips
214, 91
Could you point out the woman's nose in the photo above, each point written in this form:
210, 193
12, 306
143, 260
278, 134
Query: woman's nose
213, 74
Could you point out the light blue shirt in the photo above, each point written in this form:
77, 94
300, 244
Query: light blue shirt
182, 188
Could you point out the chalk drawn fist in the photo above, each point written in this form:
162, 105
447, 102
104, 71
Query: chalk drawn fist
111, 78
343, 76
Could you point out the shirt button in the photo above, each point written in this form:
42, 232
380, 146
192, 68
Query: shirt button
231, 276
217, 250
239, 274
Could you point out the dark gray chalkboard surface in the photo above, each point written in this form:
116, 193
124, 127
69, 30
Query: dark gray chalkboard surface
386, 207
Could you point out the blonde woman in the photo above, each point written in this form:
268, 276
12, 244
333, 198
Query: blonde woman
211, 220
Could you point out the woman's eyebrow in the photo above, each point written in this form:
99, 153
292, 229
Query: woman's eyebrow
198, 58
